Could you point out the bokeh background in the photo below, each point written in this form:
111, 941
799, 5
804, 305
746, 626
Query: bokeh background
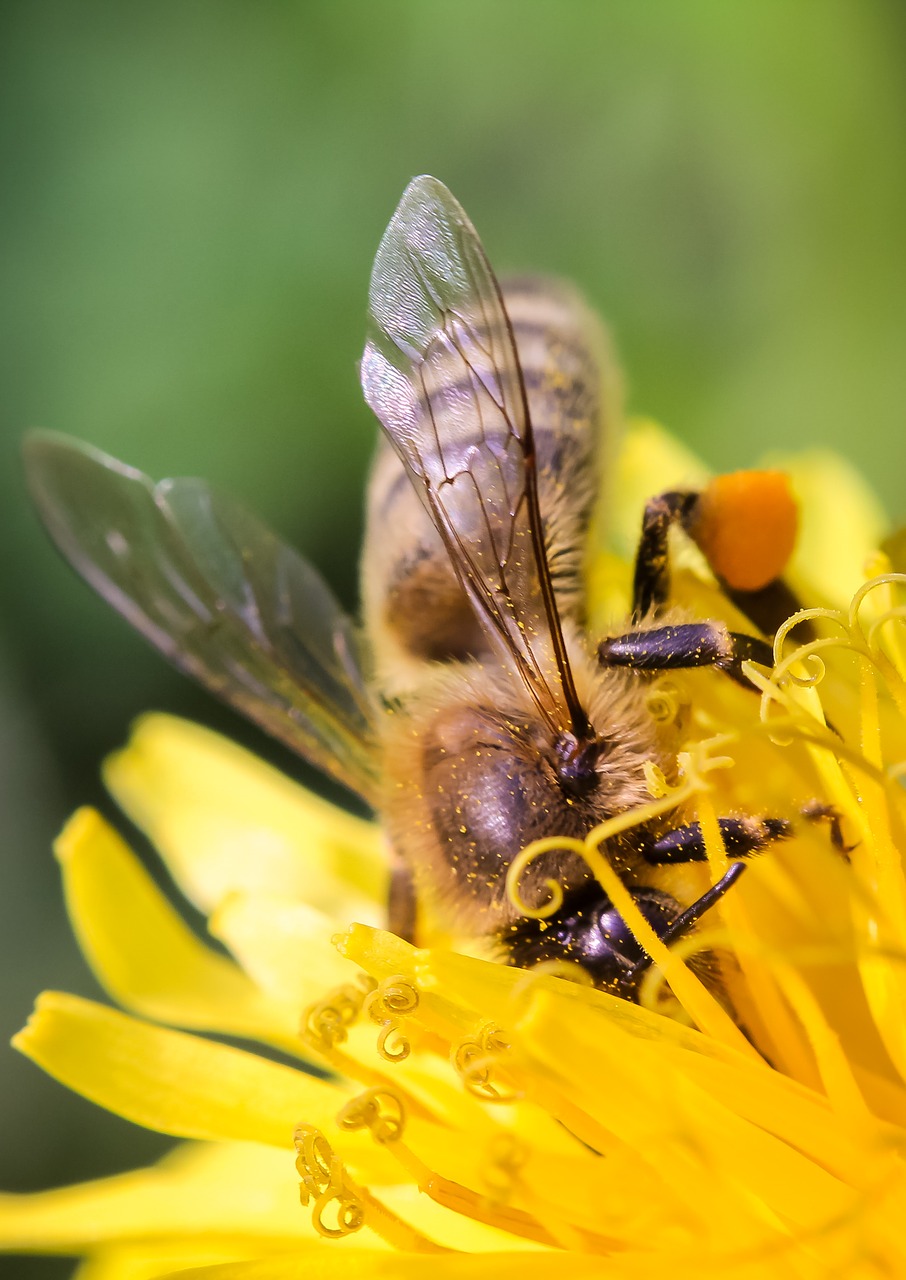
190, 200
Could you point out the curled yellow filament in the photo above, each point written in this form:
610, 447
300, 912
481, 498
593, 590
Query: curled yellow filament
326, 1023
325, 1182
380, 1111
478, 1061
392, 1000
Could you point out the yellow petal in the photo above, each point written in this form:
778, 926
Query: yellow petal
493, 991
842, 524
335, 1264
241, 1189
169, 1081
773, 1102
727, 1142
149, 1260
739, 1163
144, 954
651, 462
232, 1199
290, 950
285, 946
225, 822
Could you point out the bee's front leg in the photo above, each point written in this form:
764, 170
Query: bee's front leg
681, 924
741, 837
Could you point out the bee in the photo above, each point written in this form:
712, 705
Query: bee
472, 712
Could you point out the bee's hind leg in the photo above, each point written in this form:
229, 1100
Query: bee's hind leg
766, 606
651, 579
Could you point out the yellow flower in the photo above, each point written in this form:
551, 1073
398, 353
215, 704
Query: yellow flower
512, 1123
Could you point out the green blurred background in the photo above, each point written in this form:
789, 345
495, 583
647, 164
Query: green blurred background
191, 196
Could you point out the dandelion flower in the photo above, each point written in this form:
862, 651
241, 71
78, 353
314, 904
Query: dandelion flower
507, 1122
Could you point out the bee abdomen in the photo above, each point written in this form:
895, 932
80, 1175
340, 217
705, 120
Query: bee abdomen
566, 366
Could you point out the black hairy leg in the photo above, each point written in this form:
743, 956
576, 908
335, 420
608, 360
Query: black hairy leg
742, 836
651, 578
689, 644
681, 925
816, 811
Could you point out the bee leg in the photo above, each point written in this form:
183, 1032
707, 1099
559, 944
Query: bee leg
651, 579
741, 836
690, 644
684, 922
766, 607
402, 904
816, 811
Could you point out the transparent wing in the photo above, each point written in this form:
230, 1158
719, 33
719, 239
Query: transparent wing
218, 594
441, 372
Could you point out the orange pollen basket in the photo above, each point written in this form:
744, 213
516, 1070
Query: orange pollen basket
745, 523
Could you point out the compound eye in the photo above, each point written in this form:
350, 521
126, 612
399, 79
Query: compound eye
657, 908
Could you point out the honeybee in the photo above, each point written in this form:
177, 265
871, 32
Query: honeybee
473, 712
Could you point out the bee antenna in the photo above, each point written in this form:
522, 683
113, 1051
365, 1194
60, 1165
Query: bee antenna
684, 922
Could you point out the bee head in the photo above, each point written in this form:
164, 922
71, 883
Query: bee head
590, 932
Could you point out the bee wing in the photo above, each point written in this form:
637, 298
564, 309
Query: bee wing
441, 372
218, 594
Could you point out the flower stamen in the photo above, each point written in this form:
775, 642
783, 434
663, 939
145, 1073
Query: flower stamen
665, 701
324, 1180
326, 1023
478, 1063
380, 1111
392, 1000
